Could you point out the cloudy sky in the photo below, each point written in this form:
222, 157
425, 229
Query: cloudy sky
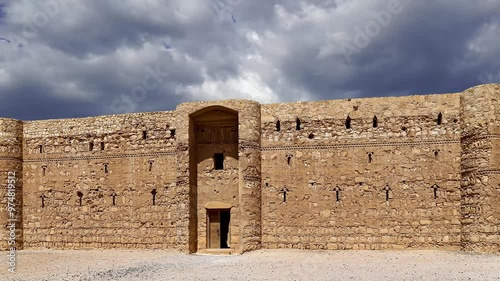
76, 58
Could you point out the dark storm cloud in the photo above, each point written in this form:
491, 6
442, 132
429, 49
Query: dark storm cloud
31, 98
418, 52
103, 26
94, 57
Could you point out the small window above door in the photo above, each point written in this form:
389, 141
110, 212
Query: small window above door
219, 161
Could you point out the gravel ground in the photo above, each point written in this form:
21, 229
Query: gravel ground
257, 265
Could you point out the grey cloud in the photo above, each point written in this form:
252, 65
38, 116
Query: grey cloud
417, 52
93, 53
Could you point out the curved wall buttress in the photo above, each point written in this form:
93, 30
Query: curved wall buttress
11, 137
480, 168
250, 176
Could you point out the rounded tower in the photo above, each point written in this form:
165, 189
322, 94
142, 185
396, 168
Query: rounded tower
480, 168
11, 139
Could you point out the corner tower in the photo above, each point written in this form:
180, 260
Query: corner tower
11, 139
480, 168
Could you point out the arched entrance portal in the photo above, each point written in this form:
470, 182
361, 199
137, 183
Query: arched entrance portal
215, 174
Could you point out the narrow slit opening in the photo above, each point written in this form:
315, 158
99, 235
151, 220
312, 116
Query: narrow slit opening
440, 118
348, 122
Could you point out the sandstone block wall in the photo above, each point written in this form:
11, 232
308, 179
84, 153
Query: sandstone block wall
378, 173
83, 164
369, 186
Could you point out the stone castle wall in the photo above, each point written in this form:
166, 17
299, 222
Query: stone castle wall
128, 157
378, 173
365, 187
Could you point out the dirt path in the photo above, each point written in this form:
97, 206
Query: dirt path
258, 265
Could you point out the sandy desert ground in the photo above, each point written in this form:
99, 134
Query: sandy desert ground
257, 265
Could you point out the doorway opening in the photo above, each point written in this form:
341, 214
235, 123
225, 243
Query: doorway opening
218, 232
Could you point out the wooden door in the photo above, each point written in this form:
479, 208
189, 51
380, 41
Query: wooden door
214, 229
